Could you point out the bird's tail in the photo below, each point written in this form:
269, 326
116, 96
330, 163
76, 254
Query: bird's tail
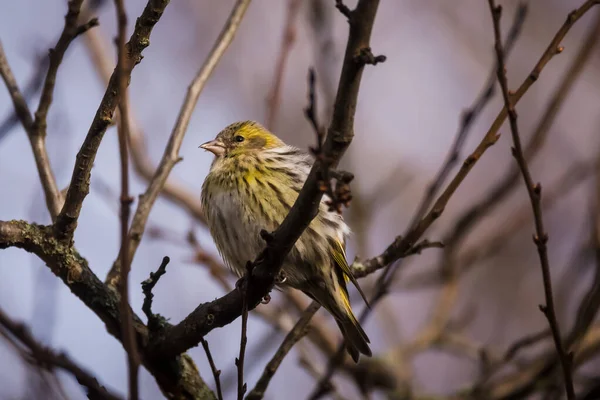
357, 341
337, 303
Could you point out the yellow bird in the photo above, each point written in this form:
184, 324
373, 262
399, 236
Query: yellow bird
253, 182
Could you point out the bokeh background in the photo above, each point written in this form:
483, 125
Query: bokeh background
439, 55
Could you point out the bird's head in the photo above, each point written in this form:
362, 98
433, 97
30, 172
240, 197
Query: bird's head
242, 138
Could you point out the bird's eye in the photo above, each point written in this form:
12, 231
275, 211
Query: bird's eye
239, 138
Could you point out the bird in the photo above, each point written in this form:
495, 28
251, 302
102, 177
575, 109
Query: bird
254, 180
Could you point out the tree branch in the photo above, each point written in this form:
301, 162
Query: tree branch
293, 336
216, 372
287, 42
395, 250
66, 221
177, 377
48, 358
142, 164
535, 192
123, 67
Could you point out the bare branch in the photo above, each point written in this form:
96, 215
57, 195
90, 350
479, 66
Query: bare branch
123, 68
395, 250
66, 221
216, 372
38, 145
468, 118
66, 263
535, 192
242, 286
36, 128
290, 340
289, 37
142, 164
49, 359
20, 105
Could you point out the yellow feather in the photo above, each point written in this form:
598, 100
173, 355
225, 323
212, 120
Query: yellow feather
339, 255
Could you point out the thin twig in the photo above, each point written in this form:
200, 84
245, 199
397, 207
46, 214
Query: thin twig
239, 362
495, 242
38, 145
216, 372
147, 287
534, 190
171, 153
469, 219
468, 118
49, 358
290, 340
289, 37
70, 31
66, 222
526, 341
122, 71
32, 87
588, 308
142, 164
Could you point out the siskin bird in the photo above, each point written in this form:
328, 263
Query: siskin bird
253, 182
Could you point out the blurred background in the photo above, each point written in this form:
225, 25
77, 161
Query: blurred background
436, 328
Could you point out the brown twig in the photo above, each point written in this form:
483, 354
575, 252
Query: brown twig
289, 37
32, 87
526, 341
37, 134
49, 358
495, 242
171, 154
506, 185
290, 340
534, 190
242, 286
36, 127
66, 221
216, 372
341, 195
142, 164
122, 71
147, 286
38, 145
468, 118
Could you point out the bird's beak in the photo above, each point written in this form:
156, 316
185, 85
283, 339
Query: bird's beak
214, 146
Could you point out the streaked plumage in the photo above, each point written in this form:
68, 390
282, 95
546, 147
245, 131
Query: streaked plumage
253, 182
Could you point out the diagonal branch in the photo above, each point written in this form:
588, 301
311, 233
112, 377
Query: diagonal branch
289, 37
66, 222
171, 153
293, 336
468, 118
127, 331
535, 191
50, 359
36, 128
